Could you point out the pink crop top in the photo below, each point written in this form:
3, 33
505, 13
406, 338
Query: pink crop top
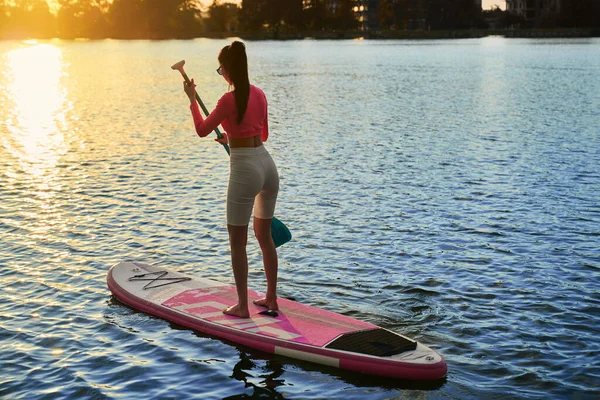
255, 120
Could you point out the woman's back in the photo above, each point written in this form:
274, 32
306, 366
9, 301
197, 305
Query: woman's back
254, 123
255, 118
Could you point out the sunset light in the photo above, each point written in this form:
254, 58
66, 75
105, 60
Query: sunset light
299, 199
36, 122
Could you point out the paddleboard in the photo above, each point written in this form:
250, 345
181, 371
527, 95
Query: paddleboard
295, 330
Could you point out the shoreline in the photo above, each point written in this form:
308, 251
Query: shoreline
354, 35
420, 35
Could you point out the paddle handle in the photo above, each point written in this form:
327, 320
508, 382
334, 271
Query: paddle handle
199, 100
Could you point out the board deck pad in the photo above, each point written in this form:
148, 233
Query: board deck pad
295, 322
374, 342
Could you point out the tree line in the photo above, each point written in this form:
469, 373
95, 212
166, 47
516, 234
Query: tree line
572, 14
159, 19
96, 19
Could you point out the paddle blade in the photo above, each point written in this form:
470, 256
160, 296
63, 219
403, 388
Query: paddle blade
280, 233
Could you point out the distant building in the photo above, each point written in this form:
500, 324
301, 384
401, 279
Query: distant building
330, 5
415, 15
533, 10
423, 14
365, 12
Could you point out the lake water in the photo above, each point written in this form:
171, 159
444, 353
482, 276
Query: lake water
446, 190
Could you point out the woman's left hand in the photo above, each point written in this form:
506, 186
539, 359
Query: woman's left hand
222, 140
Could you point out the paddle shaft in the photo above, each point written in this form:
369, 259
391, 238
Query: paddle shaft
199, 100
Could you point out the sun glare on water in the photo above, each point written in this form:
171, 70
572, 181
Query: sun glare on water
36, 126
36, 121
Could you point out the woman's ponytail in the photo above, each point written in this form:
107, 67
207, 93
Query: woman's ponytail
234, 60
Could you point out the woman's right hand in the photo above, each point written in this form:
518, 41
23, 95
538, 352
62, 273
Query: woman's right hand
190, 90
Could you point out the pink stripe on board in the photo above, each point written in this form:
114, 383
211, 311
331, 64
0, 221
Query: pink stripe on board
295, 322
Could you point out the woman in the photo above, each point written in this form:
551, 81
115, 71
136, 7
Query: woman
253, 177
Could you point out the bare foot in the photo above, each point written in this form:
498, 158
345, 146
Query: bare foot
236, 311
264, 302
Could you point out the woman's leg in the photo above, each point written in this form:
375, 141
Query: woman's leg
262, 230
238, 237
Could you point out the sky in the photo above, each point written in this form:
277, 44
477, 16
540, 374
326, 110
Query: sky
488, 4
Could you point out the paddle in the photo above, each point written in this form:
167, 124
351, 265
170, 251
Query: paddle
279, 232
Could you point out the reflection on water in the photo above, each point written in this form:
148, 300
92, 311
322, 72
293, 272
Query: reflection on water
35, 120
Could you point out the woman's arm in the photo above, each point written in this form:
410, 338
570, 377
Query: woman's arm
205, 126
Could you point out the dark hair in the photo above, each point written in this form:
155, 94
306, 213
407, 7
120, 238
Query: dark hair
233, 59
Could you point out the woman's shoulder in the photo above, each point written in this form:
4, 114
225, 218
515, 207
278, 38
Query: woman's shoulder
258, 90
227, 96
227, 99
